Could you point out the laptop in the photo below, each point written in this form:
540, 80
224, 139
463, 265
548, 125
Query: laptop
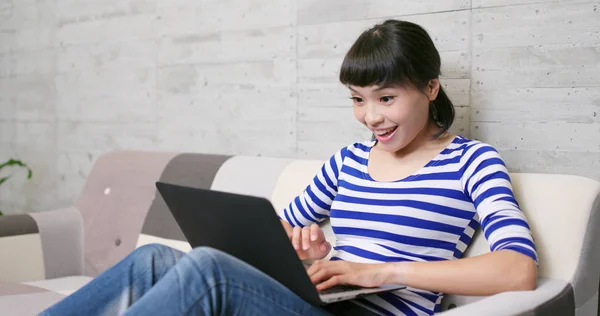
248, 228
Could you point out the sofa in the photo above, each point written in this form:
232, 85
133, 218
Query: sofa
47, 255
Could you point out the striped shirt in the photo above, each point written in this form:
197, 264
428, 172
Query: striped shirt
430, 215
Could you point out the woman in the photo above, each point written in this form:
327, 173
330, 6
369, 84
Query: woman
404, 206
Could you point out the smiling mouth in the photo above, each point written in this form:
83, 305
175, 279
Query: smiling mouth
385, 132
385, 135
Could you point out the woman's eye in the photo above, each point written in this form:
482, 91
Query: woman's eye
386, 99
356, 99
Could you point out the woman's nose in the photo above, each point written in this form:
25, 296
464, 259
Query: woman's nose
373, 117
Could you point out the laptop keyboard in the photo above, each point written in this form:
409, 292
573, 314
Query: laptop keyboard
339, 289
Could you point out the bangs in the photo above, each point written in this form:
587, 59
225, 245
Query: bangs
398, 54
374, 60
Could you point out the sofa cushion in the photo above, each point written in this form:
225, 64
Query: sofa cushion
28, 304
21, 249
114, 203
61, 231
64, 286
25, 300
552, 297
10, 288
255, 176
144, 239
192, 170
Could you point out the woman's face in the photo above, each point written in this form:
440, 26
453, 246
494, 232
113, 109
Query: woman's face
395, 114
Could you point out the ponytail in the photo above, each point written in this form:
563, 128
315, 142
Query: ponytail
441, 111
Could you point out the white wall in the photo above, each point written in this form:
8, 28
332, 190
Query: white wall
79, 78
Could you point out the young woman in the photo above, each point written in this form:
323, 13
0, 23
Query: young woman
403, 206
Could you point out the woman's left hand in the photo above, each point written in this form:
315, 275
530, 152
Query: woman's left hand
326, 274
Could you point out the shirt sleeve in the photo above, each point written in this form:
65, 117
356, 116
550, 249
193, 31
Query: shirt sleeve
486, 181
314, 203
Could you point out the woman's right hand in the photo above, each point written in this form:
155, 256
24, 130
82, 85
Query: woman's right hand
309, 242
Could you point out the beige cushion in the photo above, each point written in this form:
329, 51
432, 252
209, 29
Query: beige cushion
26, 259
256, 176
557, 208
291, 182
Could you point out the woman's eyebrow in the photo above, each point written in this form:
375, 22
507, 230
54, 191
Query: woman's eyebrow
387, 86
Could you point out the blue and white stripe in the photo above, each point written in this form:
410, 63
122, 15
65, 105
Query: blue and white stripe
430, 215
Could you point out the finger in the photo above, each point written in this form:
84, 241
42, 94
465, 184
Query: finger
333, 281
314, 267
321, 275
325, 247
314, 232
296, 232
305, 238
322, 270
320, 234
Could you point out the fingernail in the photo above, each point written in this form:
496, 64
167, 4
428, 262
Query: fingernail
313, 237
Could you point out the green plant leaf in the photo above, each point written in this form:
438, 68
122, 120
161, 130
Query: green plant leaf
18, 163
4, 179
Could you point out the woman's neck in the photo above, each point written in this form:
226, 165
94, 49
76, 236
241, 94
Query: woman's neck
423, 141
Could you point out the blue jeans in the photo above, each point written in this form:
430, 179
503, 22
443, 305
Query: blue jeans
158, 280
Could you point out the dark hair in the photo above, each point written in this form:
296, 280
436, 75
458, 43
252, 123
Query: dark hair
398, 53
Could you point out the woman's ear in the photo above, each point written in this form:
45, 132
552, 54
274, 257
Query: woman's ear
433, 88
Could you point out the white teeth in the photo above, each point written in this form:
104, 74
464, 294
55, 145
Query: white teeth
383, 132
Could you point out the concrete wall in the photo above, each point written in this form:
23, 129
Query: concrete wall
79, 78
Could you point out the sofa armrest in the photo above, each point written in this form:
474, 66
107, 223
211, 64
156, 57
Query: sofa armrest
551, 297
42, 245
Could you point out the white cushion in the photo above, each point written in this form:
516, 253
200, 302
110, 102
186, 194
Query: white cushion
28, 304
64, 286
144, 239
